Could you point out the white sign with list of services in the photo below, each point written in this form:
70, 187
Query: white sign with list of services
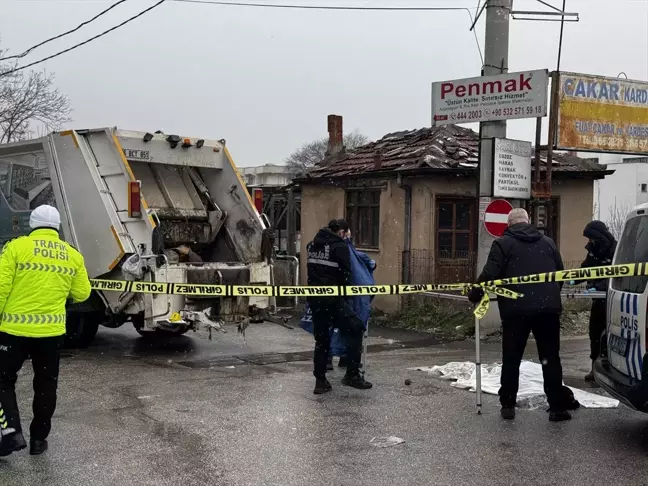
512, 168
490, 98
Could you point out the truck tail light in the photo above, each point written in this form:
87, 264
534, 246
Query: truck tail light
134, 200
258, 200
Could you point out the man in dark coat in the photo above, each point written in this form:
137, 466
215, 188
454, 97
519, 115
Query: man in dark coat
523, 250
600, 251
329, 264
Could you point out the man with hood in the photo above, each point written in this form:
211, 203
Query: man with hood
329, 264
523, 250
600, 251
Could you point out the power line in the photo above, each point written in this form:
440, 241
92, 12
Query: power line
320, 7
340, 7
103, 12
20, 68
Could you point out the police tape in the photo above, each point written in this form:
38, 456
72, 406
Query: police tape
492, 286
203, 290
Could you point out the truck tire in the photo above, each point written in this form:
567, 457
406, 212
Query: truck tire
80, 330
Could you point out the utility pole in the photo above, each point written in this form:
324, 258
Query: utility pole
495, 62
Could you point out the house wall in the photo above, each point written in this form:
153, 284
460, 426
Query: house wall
576, 201
320, 204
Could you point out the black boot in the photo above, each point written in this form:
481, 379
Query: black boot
329, 364
559, 415
589, 377
12, 443
343, 362
508, 413
322, 386
37, 447
356, 381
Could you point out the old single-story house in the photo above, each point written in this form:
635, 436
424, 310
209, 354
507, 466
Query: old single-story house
411, 201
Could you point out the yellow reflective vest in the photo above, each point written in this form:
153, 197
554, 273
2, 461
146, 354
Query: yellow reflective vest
38, 274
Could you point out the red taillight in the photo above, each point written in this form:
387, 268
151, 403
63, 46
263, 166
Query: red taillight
134, 200
258, 199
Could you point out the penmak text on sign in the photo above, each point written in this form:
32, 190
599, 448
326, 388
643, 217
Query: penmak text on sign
489, 98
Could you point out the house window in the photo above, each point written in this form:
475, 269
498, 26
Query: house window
644, 187
455, 228
553, 231
363, 216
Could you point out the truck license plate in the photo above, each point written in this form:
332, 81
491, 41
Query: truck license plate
619, 345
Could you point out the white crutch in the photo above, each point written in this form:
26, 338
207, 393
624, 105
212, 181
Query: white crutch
365, 338
478, 388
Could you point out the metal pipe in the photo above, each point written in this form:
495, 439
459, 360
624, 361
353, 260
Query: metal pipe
406, 276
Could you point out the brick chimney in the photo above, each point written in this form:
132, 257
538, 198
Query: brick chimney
336, 135
378, 160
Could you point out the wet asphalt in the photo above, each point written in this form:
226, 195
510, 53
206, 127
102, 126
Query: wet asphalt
189, 411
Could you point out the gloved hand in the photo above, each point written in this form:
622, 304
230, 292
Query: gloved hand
475, 295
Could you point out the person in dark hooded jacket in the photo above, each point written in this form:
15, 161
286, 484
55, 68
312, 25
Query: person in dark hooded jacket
329, 264
600, 251
523, 250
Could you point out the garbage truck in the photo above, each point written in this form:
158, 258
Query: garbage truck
143, 206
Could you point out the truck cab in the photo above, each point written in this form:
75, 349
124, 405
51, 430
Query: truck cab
622, 368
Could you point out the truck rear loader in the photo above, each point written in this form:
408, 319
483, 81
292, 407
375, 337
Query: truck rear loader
143, 206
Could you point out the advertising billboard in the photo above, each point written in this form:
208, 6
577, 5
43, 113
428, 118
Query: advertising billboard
490, 98
602, 114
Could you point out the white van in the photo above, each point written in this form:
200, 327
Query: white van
622, 367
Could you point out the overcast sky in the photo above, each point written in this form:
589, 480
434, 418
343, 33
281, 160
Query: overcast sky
265, 79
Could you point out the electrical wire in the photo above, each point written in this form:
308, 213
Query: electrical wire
103, 12
20, 68
341, 7
319, 7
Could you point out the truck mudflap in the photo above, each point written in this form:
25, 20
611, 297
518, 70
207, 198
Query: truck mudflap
630, 391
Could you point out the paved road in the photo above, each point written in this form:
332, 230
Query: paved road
194, 412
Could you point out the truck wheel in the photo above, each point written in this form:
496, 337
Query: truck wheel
80, 330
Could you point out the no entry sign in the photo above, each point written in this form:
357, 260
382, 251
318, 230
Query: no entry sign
496, 216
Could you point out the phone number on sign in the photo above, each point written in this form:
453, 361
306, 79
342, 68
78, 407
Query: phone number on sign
498, 112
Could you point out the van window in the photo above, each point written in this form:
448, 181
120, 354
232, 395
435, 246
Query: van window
633, 248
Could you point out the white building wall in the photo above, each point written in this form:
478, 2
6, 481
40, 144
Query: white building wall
618, 193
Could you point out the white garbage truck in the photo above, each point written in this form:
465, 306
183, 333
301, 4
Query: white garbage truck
143, 206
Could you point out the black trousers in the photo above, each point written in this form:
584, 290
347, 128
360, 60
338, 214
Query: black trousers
546, 330
327, 314
44, 352
597, 325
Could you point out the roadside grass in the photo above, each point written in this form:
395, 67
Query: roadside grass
453, 320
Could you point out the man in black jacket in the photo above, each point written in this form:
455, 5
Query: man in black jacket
329, 264
600, 251
523, 250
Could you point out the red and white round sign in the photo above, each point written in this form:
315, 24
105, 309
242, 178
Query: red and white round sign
496, 216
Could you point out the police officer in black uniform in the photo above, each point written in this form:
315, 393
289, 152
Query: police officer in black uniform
600, 251
329, 264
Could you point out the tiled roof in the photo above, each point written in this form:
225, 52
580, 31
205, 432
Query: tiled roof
445, 147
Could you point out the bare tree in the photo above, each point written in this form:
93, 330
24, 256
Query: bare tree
617, 214
312, 153
29, 101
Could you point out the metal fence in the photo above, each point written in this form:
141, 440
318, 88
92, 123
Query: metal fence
425, 266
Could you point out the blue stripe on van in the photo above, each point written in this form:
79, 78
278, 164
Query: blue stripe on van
634, 305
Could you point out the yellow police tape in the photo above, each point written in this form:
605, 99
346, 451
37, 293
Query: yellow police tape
493, 286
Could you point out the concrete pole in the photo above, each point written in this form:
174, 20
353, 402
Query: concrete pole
495, 62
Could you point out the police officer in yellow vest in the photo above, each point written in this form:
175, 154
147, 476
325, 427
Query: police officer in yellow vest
38, 274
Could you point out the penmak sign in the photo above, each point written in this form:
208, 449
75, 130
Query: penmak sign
602, 114
490, 98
